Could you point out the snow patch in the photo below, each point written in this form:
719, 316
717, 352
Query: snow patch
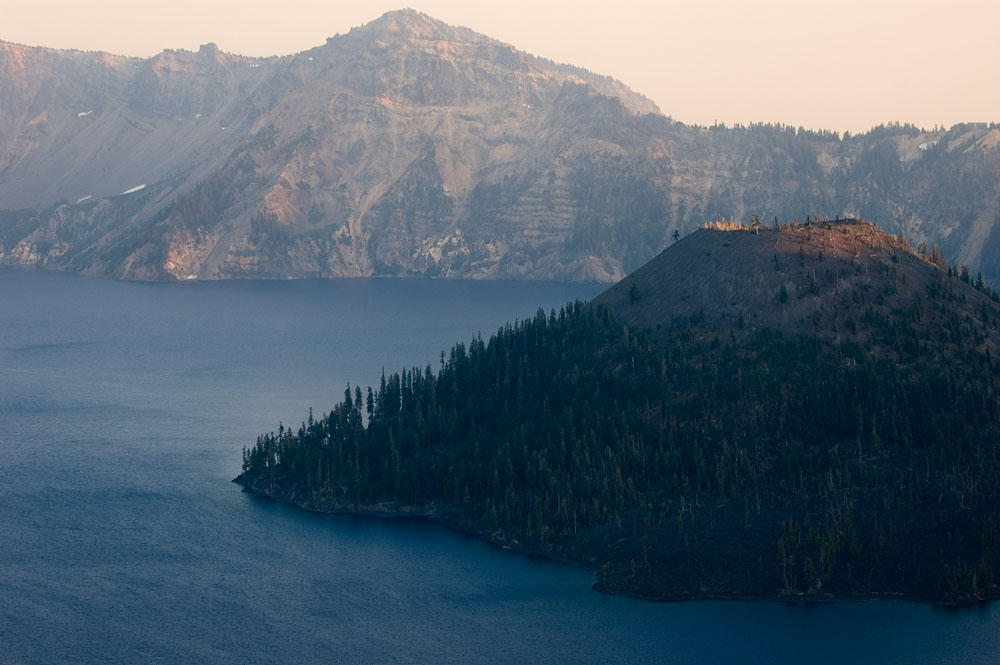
81, 200
132, 190
310, 58
84, 114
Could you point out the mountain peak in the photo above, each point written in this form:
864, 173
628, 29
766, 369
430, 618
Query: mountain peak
412, 24
420, 33
408, 16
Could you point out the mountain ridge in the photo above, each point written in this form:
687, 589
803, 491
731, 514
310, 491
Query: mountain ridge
409, 147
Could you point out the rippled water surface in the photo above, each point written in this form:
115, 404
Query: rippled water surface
123, 410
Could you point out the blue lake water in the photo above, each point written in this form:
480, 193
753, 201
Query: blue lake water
123, 410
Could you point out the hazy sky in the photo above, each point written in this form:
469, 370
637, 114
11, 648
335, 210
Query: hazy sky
845, 65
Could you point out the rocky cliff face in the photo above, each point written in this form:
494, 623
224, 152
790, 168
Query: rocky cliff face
408, 147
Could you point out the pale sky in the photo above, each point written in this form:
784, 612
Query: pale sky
844, 65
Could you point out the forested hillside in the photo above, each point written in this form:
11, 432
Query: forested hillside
699, 455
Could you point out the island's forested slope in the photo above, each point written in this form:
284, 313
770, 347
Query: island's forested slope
696, 464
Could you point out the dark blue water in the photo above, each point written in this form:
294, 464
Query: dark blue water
123, 409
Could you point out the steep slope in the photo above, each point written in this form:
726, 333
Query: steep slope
77, 124
410, 147
783, 412
364, 155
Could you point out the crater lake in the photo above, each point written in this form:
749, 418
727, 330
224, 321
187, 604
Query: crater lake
123, 411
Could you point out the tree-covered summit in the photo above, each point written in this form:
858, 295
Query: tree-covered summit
702, 456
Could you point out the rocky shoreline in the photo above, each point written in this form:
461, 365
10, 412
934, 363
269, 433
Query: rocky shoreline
448, 517
433, 512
